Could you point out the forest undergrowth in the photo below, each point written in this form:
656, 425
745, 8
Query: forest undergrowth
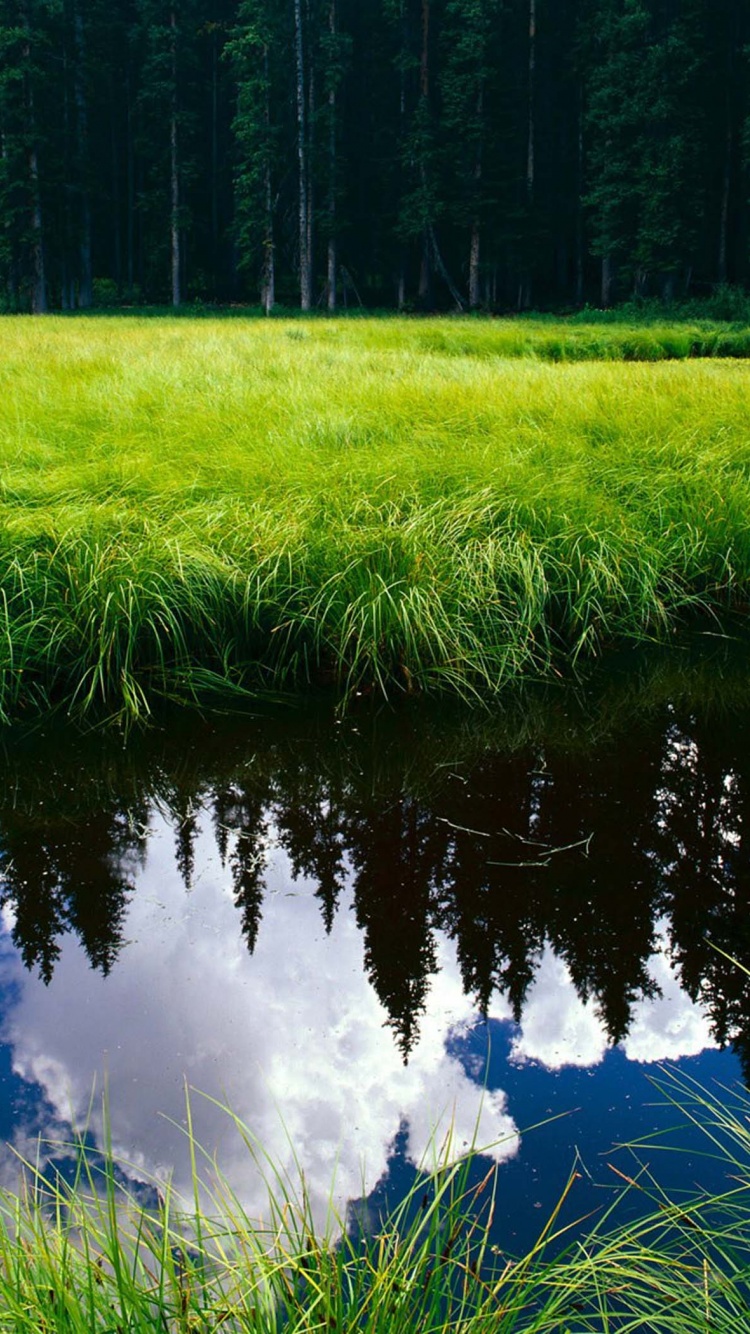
196, 507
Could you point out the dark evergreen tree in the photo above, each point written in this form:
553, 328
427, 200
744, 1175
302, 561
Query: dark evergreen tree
470, 37
262, 94
646, 191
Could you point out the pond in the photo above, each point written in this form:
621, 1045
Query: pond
365, 932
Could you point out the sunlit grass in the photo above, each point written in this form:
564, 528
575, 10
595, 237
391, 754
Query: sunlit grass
99, 1249
202, 504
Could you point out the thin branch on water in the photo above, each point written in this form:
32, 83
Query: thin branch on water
584, 843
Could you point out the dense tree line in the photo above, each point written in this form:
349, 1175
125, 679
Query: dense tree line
404, 153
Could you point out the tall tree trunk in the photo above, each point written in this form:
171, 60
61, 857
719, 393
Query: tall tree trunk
726, 188
116, 219
174, 170
68, 268
214, 162
531, 134
130, 220
424, 63
579, 207
39, 281
401, 276
269, 257
607, 281
305, 268
524, 288
475, 295
11, 275
38, 277
332, 166
310, 151
85, 283
475, 242
425, 271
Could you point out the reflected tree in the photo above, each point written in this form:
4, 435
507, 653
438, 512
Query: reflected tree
389, 849
71, 877
596, 849
309, 822
241, 815
704, 853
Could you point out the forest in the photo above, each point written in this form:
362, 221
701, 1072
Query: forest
397, 154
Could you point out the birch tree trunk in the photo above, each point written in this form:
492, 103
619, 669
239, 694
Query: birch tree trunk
305, 270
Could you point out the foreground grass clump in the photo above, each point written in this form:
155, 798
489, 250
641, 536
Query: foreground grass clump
191, 506
89, 1255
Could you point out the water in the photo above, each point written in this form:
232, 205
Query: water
355, 931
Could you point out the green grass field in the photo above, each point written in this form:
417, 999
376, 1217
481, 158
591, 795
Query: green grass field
202, 505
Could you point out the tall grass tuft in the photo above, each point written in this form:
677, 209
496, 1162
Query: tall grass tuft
189, 507
94, 1252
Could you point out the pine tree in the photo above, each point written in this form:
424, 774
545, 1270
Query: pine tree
470, 33
254, 49
645, 192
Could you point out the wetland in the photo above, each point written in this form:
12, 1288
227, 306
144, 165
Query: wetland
356, 929
449, 848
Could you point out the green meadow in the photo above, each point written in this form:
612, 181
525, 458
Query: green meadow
192, 507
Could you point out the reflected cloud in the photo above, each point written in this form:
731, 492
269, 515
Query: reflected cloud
558, 1028
671, 1025
293, 1038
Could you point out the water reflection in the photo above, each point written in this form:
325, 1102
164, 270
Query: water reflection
309, 917
295, 1033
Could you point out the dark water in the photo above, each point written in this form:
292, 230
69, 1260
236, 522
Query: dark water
356, 930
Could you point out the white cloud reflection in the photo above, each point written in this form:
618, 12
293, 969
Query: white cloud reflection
559, 1029
294, 1039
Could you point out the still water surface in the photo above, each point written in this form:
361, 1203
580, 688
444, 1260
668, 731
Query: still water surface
354, 931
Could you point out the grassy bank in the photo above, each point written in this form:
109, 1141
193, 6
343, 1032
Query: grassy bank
95, 1253
196, 506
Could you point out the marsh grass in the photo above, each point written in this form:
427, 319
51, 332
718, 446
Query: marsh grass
95, 1251
87, 1253
200, 507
